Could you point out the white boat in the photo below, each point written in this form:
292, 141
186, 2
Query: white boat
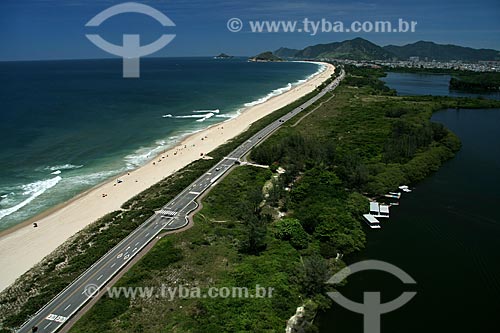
405, 188
393, 195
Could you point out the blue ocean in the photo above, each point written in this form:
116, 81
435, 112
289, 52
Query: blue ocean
69, 125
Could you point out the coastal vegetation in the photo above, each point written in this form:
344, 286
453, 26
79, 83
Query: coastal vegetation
476, 82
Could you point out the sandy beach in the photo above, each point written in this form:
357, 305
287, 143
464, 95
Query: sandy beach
24, 246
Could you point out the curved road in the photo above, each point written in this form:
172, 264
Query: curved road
172, 216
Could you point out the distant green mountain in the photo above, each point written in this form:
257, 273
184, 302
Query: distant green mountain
356, 49
266, 56
433, 51
361, 49
284, 52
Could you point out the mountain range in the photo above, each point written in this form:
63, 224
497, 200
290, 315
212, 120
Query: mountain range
362, 49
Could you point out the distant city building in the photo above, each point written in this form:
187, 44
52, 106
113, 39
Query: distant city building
481, 66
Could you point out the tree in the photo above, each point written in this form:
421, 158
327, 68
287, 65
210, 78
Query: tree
292, 231
314, 275
340, 230
254, 240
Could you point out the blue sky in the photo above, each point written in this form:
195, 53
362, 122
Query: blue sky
55, 29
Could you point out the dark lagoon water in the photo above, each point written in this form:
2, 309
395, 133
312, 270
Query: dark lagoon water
444, 234
427, 84
68, 125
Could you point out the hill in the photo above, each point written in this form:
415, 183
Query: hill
223, 56
362, 49
356, 49
440, 52
266, 56
284, 52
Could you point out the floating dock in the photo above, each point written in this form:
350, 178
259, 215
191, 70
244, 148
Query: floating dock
372, 221
379, 210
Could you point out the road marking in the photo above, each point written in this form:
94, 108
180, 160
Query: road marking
61, 319
113, 265
147, 235
126, 257
100, 276
66, 308
195, 193
47, 325
136, 244
127, 248
120, 255
135, 249
168, 212
155, 226
54, 317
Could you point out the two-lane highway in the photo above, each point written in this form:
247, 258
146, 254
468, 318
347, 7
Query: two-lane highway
173, 215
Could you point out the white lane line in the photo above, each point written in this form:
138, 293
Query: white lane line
155, 226
127, 248
147, 235
135, 249
100, 276
66, 308
136, 244
113, 265
47, 325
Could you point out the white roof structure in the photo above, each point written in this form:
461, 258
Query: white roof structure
374, 207
372, 221
384, 209
370, 218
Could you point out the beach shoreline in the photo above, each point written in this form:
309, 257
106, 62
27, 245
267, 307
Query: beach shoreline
22, 246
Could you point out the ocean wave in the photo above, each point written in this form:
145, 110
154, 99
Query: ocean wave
143, 155
57, 172
167, 116
272, 94
289, 86
191, 116
207, 111
89, 179
63, 167
33, 191
207, 116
